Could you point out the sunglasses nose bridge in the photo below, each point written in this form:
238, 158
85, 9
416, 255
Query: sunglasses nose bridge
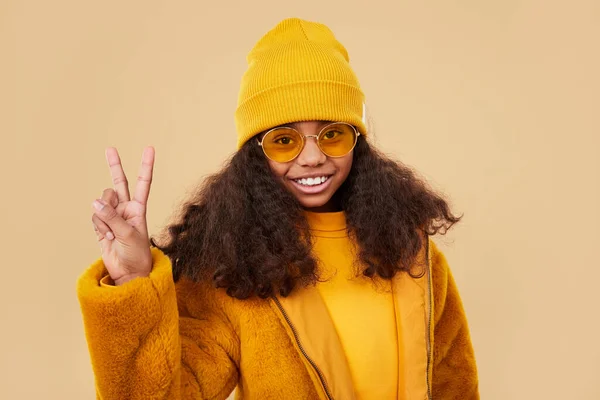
316, 137
304, 139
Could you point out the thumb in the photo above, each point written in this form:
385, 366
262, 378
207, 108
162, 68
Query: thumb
110, 217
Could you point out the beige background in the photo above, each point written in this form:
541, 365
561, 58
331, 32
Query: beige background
495, 102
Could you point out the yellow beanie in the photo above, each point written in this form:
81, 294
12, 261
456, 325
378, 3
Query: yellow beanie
298, 71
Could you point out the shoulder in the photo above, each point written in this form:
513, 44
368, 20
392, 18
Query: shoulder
440, 276
438, 262
446, 297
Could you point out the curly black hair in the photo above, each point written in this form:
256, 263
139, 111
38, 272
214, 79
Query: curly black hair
244, 231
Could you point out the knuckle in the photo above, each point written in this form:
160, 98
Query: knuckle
97, 224
109, 213
108, 195
117, 180
144, 179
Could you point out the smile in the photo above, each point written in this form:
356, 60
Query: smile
313, 185
311, 181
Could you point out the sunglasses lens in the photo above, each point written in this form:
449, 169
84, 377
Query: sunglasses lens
337, 140
282, 144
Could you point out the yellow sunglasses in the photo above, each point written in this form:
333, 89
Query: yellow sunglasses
283, 144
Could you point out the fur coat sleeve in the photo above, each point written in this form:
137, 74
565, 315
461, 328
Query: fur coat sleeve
144, 342
454, 368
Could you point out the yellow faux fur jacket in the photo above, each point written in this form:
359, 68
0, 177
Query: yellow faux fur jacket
153, 339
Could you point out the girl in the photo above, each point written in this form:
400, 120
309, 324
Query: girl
303, 270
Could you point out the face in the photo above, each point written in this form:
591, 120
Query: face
313, 163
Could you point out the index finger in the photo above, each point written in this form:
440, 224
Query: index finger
142, 189
118, 175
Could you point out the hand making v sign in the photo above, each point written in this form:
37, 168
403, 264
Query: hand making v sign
120, 222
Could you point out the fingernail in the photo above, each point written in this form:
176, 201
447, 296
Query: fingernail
98, 204
110, 236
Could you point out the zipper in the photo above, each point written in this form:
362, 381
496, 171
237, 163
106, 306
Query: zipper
311, 362
430, 301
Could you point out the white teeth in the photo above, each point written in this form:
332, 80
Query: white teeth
312, 181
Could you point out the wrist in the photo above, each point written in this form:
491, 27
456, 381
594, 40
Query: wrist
124, 279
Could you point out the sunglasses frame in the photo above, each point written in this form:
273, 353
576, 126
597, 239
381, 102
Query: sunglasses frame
304, 137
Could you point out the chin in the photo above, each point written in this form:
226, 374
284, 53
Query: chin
323, 203
313, 203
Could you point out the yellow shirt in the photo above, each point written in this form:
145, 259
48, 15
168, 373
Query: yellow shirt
362, 312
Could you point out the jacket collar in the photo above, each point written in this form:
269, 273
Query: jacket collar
307, 322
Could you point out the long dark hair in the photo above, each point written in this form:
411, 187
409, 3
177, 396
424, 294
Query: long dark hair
244, 231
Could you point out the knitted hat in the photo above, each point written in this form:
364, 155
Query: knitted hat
298, 71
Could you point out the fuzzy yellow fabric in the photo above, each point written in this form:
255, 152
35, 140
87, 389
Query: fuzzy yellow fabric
454, 367
153, 339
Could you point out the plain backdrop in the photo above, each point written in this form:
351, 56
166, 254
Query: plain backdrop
495, 103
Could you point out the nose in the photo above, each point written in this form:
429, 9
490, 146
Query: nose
311, 155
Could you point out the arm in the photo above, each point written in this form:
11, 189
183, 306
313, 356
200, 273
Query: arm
146, 343
454, 367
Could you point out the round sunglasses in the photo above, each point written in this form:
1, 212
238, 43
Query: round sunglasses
283, 144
